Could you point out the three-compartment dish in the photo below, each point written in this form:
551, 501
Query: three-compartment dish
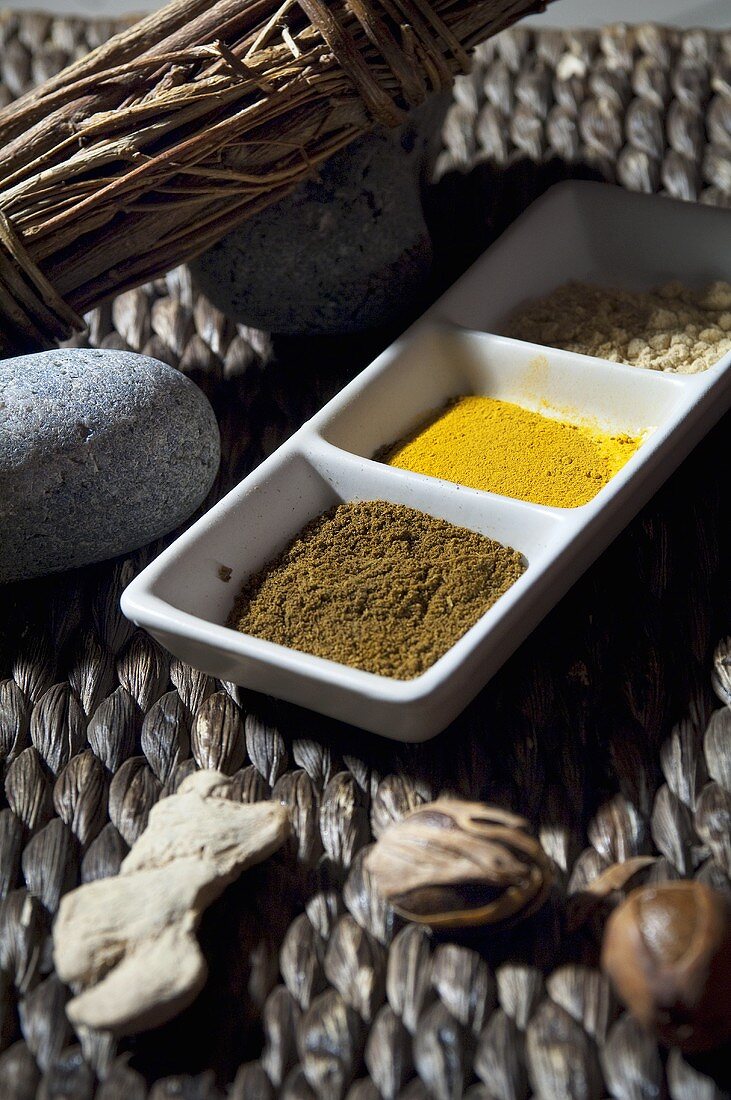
590, 232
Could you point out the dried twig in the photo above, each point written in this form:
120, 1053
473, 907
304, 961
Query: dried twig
149, 149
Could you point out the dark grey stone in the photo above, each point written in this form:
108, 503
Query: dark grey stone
100, 452
345, 252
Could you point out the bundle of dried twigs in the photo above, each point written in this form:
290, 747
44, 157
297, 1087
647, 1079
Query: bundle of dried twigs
152, 147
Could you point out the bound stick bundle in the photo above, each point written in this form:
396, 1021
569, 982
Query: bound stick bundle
149, 149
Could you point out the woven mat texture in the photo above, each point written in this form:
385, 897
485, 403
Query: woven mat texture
610, 729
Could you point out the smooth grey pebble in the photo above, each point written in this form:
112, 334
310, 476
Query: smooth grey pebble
347, 251
100, 453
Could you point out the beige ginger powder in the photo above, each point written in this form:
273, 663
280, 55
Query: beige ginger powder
671, 328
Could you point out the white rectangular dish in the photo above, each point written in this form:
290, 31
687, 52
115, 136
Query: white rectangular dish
577, 230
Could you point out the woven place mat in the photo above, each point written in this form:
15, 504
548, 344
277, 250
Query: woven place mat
599, 729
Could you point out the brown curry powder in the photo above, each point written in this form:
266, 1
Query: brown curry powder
376, 586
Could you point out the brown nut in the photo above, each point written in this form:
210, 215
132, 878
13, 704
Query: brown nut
454, 864
667, 951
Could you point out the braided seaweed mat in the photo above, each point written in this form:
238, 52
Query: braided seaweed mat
610, 729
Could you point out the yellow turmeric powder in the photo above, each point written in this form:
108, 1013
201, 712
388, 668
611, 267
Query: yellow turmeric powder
485, 443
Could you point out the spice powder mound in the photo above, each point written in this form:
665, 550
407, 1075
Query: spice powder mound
671, 328
377, 586
499, 447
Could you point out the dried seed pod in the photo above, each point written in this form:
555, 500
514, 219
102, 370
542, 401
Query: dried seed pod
165, 738
617, 830
217, 739
34, 665
451, 864
637, 171
80, 796
280, 1019
330, 1041
28, 791
561, 133
266, 749
344, 823
105, 855
667, 951
491, 134
143, 668
464, 984
685, 130
631, 1056
408, 975
19, 1072
441, 1054
562, 1061
50, 863
198, 357
172, 322
682, 763
14, 720
43, 1020
500, 1058
586, 995
498, 87
680, 177
315, 758
649, 80
68, 1075
11, 845
156, 348
247, 785
533, 88
526, 132
362, 899
106, 613
388, 1055
713, 822
92, 671
520, 988
718, 120
325, 903
114, 729
396, 795
601, 129
131, 316
355, 966
300, 961
212, 325
132, 794
612, 84
644, 128
716, 170
296, 791
717, 747
239, 357
549, 47
58, 726
23, 925
672, 830
192, 686
513, 48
